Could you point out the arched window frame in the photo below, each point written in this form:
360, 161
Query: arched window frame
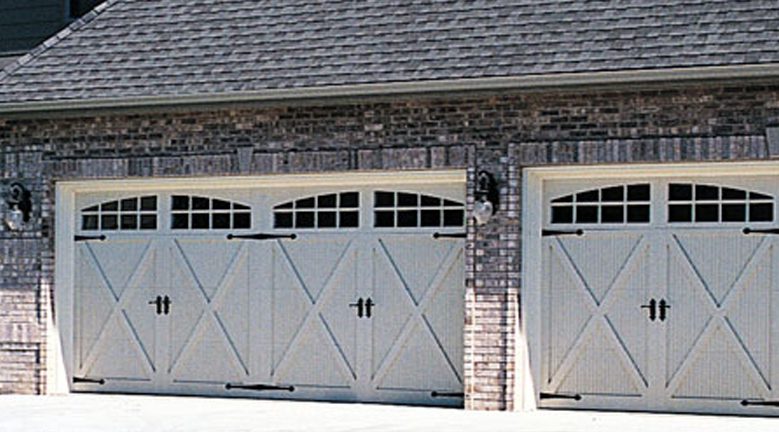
407, 209
137, 213
614, 204
197, 212
327, 211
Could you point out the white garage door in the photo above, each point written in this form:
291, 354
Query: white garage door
332, 293
661, 295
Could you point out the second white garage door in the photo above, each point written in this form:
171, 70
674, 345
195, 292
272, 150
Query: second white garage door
315, 293
660, 295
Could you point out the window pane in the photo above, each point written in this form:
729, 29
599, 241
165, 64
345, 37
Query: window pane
218, 204
149, 203
326, 219
350, 199
431, 218
638, 192
180, 202
284, 206
733, 194
304, 220
242, 220
565, 199
130, 204
758, 196
589, 196
428, 201
562, 214
450, 203
350, 219
734, 212
109, 222
680, 192
407, 218
586, 214
612, 194
200, 203
638, 214
200, 220
282, 220
148, 222
220, 221
237, 206
706, 213
180, 221
761, 212
407, 200
94, 208
680, 213
612, 214
89, 222
307, 203
454, 218
129, 222
706, 193
110, 206
384, 219
327, 201
384, 199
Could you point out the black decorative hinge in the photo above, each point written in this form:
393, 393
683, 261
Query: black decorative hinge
258, 387
748, 231
576, 397
439, 235
548, 233
747, 402
79, 238
77, 380
437, 394
261, 236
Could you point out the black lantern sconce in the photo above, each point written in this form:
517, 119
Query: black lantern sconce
19, 206
487, 197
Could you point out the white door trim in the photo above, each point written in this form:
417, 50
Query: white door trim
528, 354
60, 355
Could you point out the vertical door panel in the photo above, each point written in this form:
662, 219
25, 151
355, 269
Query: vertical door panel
595, 331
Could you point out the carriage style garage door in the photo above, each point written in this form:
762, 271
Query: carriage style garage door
345, 292
660, 294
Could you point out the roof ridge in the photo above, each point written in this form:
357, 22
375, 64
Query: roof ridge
54, 40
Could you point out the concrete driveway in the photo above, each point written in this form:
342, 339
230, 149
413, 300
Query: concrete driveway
112, 413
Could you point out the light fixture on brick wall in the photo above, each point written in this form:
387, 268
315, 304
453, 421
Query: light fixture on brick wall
19, 206
486, 197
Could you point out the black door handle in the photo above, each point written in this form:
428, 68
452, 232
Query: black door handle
663, 306
359, 305
652, 306
368, 305
166, 303
158, 302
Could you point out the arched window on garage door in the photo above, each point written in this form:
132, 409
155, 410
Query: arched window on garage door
692, 203
126, 214
393, 209
326, 211
198, 212
613, 204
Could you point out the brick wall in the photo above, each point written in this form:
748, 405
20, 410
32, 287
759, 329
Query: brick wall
500, 133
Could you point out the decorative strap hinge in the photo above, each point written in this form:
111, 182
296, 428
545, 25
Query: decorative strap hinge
80, 238
748, 231
261, 236
747, 402
548, 233
78, 380
439, 235
258, 387
546, 396
437, 394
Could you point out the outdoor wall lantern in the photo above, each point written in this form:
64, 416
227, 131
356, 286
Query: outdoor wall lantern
486, 196
19, 206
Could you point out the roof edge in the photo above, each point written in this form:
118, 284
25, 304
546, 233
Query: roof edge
55, 39
527, 82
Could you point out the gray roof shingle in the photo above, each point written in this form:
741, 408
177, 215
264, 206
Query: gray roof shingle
137, 48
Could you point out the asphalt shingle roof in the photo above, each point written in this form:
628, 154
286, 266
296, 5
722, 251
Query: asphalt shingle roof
136, 48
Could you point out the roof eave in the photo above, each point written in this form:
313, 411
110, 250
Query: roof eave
528, 82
